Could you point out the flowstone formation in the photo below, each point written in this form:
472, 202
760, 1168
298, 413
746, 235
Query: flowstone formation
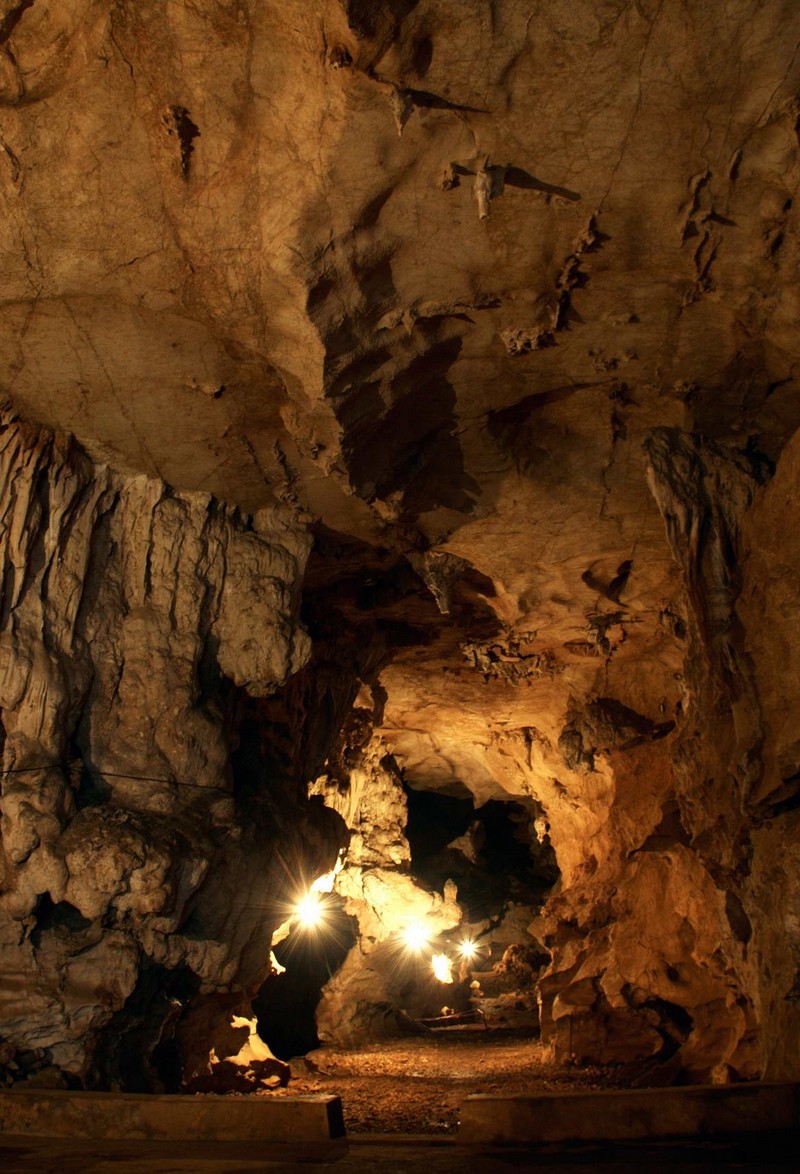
401, 433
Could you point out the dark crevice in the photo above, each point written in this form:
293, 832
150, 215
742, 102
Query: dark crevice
178, 122
137, 1051
286, 1004
60, 918
89, 788
12, 19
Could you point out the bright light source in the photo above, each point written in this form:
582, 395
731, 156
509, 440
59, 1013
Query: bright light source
442, 967
309, 911
415, 936
467, 950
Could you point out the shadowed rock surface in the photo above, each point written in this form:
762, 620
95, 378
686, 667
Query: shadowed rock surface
400, 467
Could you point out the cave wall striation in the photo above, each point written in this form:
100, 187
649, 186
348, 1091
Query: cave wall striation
124, 606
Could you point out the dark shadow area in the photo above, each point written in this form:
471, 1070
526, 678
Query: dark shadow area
491, 852
286, 1004
92, 788
530, 440
279, 743
178, 121
137, 1050
361, 604
504, 175
421, 54
434, 819
511, 846
436, 1153
12, 19
60, 918
429, 101
517, 177
752, 388
367, 18
400, 436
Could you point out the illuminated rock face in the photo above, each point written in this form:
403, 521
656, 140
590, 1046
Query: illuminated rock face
124, 831
496, 310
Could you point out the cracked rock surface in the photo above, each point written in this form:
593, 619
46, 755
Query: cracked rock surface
400, 399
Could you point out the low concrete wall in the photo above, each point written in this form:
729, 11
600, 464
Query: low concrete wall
702, 1110
171, 1118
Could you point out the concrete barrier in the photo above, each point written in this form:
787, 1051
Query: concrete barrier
123, 1117
636, 1114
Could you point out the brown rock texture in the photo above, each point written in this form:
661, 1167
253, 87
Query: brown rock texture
120, 811
401, 401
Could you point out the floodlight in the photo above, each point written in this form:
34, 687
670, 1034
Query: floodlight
308, 910
415, 936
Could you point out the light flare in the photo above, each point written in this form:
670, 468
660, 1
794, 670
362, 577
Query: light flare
468, 950
308, 910
415, 936
442, 967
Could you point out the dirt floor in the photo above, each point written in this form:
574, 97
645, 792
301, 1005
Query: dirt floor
417, 1084
394, 1094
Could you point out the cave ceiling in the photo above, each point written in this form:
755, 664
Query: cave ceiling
242, 247
244, 252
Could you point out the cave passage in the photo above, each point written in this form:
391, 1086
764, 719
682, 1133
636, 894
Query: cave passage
492, 852
287, 1002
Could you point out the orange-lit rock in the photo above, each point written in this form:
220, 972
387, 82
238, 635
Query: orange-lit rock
401, 401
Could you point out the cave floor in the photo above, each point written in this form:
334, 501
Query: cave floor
401, 1102
417, 1084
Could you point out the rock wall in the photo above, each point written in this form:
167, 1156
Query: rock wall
767, 612
362, 999
126, 608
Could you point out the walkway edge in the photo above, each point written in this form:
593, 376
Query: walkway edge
120, 1116
636, 1114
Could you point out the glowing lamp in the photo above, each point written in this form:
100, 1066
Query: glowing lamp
415, 936
442, 967
468, 950
309, 910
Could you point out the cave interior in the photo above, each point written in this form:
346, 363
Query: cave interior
399, 561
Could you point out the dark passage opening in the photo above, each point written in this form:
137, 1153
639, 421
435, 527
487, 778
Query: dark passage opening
500, 857
493, 852
60, 918
434, 819
512, 847
286, 1004
137, 1051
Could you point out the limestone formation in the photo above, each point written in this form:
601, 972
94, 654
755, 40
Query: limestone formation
124, 605
342, 526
